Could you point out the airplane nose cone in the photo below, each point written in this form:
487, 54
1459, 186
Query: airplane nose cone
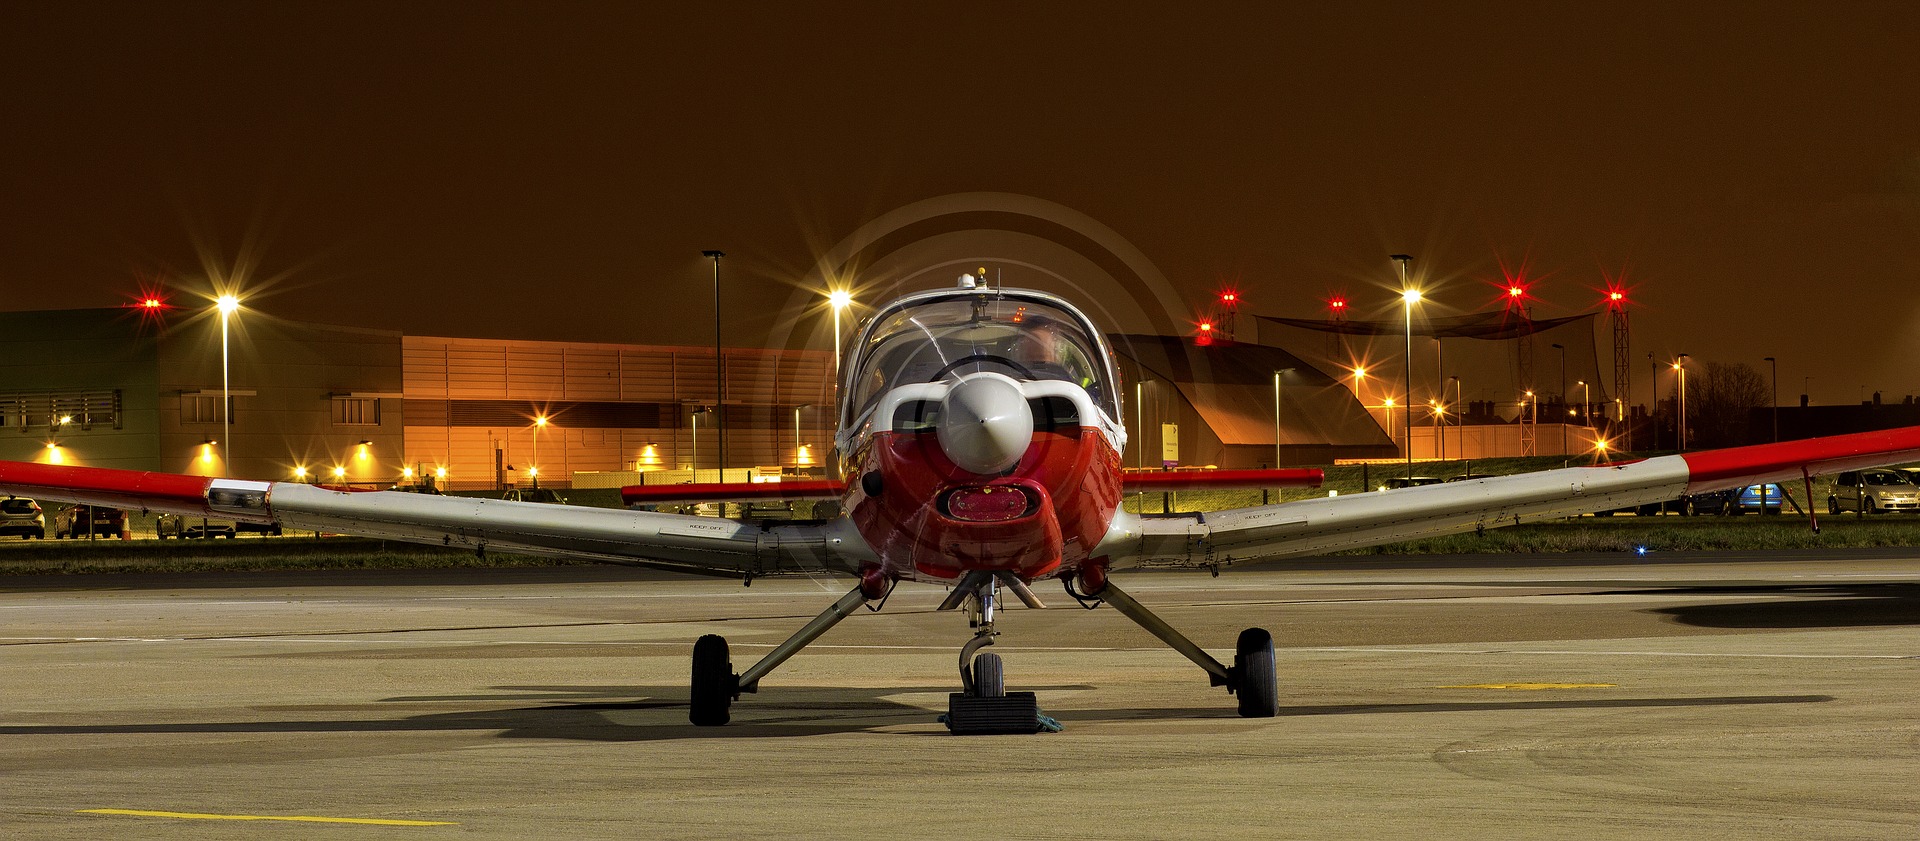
985, 425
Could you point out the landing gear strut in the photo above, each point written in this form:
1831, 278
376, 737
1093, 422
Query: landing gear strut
984, 705
716, 687
1253, 678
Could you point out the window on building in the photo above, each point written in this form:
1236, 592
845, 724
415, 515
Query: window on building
356, 411
199, 408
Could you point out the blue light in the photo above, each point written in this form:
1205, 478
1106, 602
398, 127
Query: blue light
1639, 550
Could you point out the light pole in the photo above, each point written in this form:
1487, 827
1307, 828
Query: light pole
1563, 394
228, 305
1276, 415
533, 464
1408, 296
1439, 441
1681, 367
1773, 383
1460, 419
1586, 404
719, 363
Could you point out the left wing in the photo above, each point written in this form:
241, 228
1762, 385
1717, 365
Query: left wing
672, 541
1317, 526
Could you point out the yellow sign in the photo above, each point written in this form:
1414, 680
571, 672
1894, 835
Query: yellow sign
1170, 444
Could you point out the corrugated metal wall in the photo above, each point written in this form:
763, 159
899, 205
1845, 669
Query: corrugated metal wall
609, 407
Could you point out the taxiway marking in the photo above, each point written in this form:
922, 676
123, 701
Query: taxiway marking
196, 816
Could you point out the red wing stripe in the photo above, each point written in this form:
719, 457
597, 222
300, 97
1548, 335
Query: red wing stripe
1719, 469
102, 486
1194, 480
732, 491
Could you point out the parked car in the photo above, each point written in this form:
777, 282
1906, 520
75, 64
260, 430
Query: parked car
22, 516
533, 495
1765, 499
1873, 491
82, 520
207, 528
1409, 482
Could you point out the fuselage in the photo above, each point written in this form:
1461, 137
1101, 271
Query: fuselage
979, 431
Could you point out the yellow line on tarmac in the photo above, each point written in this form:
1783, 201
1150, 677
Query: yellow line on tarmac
1530, 686
194, 816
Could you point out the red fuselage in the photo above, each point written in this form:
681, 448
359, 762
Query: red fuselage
931, 520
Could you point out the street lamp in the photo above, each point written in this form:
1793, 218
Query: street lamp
539, 423
1680, 366
228, 305
1774, 385
1460, 418
1563, 393
1586, 404
1408, 297
1276, 414
839, 300
719, 364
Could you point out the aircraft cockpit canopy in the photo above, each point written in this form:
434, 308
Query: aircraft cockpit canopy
1024, 335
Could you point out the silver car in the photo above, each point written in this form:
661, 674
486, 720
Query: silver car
1872, 491
22, 516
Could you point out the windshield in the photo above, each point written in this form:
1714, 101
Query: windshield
1883, 477
945, 338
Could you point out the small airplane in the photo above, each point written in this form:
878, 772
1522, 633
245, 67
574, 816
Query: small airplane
980, 431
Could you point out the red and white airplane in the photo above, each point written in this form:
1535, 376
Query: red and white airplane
980, 432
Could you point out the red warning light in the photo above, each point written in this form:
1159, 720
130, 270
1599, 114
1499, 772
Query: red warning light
1338, 303
1206, 326
150, 303
1516, 292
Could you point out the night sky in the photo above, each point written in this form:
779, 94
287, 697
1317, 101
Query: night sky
553, 170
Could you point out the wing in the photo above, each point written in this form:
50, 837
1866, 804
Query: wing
1330, 524
672, 541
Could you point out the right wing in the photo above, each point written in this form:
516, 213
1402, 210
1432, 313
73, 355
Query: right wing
1331, 524
670, 541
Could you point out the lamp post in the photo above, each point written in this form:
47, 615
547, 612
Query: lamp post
1460, 419
533, 464
1586, 404
228, 305
1773, 384
1408, 296
1276, 415
719, 363
1563, 394
1680, 366
1439, 441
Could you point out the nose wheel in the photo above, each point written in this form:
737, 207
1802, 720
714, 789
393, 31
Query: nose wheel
984, 706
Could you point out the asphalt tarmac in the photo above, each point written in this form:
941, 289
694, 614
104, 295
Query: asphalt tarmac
1757, 696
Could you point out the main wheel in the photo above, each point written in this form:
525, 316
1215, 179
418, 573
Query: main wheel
714, 683
989, 676
1259, 689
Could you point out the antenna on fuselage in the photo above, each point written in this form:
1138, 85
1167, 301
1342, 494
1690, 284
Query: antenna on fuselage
967, 282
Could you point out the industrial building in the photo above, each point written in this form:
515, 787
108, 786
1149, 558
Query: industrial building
141, 389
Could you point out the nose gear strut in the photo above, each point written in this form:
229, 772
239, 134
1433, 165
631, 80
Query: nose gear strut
984, 705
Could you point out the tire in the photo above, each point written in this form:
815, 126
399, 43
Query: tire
1259, 689
40, 534
989, 676
1833, 505
1867, 507
714, 683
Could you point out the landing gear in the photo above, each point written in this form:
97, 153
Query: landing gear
1259, 688
984, 705
1253, 678
716, 687
714, 683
